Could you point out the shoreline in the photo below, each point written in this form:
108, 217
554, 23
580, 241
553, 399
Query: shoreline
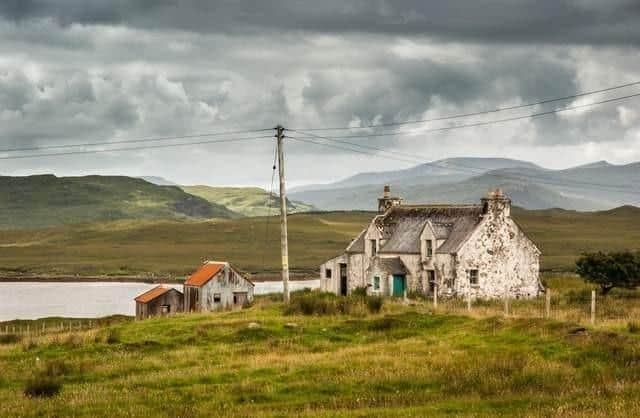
88, 279
130, 279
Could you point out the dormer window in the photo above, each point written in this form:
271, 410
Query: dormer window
429, 248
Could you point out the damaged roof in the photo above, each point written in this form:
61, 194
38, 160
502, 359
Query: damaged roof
152, 294
205, 273
402, 226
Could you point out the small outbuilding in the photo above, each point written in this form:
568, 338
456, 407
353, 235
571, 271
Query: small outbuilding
159, 301
217, 285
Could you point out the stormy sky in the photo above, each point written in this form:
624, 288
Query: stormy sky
83, 71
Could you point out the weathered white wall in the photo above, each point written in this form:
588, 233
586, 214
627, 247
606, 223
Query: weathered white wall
226, 283
506, 259
332, 284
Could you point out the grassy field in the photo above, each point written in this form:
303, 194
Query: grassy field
176, 248
247, 201
406, 360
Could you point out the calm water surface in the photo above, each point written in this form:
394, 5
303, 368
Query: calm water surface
90, 300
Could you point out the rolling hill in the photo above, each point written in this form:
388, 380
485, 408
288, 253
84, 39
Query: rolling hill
594, 186
47, 200
248, 201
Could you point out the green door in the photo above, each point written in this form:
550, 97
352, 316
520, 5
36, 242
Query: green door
398, 284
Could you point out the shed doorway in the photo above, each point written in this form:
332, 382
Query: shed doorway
240, 298
399, 284
343, 280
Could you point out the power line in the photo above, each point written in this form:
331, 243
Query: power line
484, 123
473, 170
129, 141
17, 157
483, 112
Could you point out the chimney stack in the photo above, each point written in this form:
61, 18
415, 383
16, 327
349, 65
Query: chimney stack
387, 201
496, 203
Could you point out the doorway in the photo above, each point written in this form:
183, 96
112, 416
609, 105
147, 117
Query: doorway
399, 284
343, 280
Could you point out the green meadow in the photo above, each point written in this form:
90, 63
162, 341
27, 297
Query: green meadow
175, 248
265, 361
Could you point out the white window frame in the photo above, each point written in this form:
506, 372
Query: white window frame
376, 288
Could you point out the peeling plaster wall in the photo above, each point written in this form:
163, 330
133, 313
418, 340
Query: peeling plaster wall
356, 268
506, 259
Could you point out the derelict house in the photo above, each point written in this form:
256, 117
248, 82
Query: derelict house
159, 301
454, 250
216, 285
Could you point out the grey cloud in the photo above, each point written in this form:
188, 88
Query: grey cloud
333, 63
552, 21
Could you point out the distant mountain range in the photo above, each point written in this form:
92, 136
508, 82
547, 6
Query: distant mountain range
594, 186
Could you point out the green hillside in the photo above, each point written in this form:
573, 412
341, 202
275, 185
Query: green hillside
407, 361
175, 247
47, 200
248, 201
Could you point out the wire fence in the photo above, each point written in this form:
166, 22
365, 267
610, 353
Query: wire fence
583, 307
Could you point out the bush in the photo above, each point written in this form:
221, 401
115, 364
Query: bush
633, 327
360, 292
316, 303
312, 303
42, 387
374, 304
9, 338
113, 337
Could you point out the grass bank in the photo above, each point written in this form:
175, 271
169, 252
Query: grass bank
403, 361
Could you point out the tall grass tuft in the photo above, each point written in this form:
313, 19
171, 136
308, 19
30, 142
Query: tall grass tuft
42, 387
374, 303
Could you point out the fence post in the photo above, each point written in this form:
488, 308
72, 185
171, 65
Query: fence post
469, 301
593, 307
547, 304
435, 295
506, 304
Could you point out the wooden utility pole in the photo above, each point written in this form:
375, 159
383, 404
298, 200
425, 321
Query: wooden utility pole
284, 242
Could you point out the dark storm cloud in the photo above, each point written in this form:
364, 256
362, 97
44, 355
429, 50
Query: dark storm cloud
553, 21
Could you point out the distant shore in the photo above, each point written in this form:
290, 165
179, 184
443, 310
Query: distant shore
10, 278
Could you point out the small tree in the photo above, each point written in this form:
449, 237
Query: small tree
621, 269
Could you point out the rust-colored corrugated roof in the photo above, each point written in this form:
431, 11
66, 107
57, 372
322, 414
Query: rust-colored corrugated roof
204, 274
150, 295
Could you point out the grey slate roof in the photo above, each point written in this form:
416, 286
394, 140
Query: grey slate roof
401, 226
392, 265
357, 245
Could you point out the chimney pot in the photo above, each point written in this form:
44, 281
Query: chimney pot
387, 191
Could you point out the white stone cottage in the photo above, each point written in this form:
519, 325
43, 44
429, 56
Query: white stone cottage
216, 285
452, 249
